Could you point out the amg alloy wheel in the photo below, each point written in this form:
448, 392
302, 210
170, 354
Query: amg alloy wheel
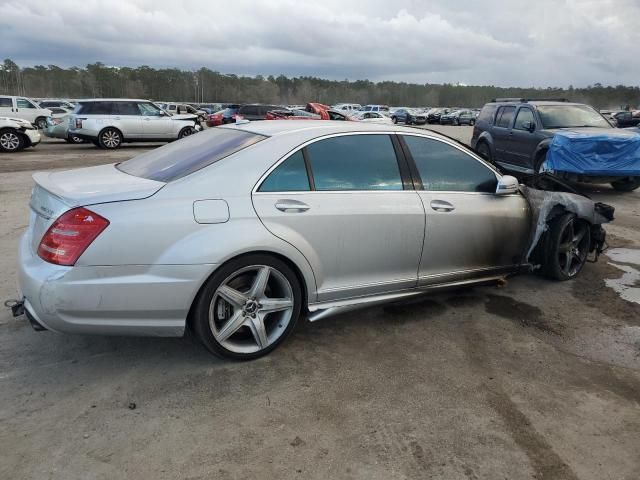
248, 307
567, 247
10, 141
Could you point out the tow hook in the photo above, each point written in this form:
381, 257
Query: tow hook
16, 306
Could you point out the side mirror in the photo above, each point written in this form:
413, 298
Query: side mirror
507, 185
529, 126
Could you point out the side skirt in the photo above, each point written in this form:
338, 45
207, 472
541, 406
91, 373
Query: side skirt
318, 311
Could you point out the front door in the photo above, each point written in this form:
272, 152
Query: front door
470, 231
129, 119
523, 141
155, 124
341, 201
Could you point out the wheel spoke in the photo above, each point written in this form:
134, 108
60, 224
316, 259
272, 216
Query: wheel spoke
579, 236
235, 322
233, 296
564, 247
270, 305
260, 283
567, 263
256, 325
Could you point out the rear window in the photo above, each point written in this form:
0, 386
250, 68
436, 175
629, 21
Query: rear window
189, 155
486, 114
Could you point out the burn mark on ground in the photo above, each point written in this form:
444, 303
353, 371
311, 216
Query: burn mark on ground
521, 312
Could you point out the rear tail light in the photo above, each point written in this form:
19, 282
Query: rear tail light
70, 235
78, 123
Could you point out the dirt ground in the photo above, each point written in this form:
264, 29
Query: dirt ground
532, 380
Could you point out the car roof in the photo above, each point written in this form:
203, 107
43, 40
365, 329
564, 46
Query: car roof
317, 128
115, 100
536, 102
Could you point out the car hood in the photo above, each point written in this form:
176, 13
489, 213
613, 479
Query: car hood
599, 132
184, 116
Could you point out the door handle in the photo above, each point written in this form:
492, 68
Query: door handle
292, 206
441, 206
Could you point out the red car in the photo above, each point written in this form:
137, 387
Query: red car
228, 115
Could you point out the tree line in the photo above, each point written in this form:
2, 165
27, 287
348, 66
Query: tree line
206, 85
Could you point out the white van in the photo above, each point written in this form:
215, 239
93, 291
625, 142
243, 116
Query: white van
24, 108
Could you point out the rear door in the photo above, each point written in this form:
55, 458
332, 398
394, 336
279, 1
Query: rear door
342, 202
470, 231
6, 107
501, 131
129, 119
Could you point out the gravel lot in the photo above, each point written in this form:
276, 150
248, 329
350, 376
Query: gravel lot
535, 379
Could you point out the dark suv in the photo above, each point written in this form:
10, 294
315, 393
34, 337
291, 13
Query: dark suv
516, 134
255, 111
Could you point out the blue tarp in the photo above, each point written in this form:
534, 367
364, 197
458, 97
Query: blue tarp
611, 154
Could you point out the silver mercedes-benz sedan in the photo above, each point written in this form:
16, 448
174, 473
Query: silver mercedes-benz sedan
238, 231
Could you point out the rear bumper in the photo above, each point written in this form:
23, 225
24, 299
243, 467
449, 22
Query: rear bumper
147, 300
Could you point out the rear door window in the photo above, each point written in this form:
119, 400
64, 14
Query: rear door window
355, 162
505, 117
289, 176
443, 167
126, 108
189, 155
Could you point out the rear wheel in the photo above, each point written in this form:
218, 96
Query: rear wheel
248, 307
74, 139
626, 185
567, 246
11, 141
110, 138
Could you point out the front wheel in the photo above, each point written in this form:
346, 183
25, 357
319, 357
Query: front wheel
248, 307
626, 185
41, 123
394, 119
110, 138
472, 122
11, 141
566, 248
186, 131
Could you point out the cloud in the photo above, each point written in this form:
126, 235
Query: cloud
523, 43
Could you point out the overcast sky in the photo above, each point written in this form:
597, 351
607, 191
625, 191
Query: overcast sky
499, 42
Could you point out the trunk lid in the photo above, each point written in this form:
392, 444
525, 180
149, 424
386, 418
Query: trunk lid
57, 192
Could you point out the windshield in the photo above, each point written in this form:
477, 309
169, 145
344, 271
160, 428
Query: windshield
568, 116
188, 155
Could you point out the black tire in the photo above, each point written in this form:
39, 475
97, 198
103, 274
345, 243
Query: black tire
96, 143
41, 123
472, 122
110, 138
484, 151
566, 247
74, 139
626, 185
186, 131
394, 119
11, 140
203, 303
540, 158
